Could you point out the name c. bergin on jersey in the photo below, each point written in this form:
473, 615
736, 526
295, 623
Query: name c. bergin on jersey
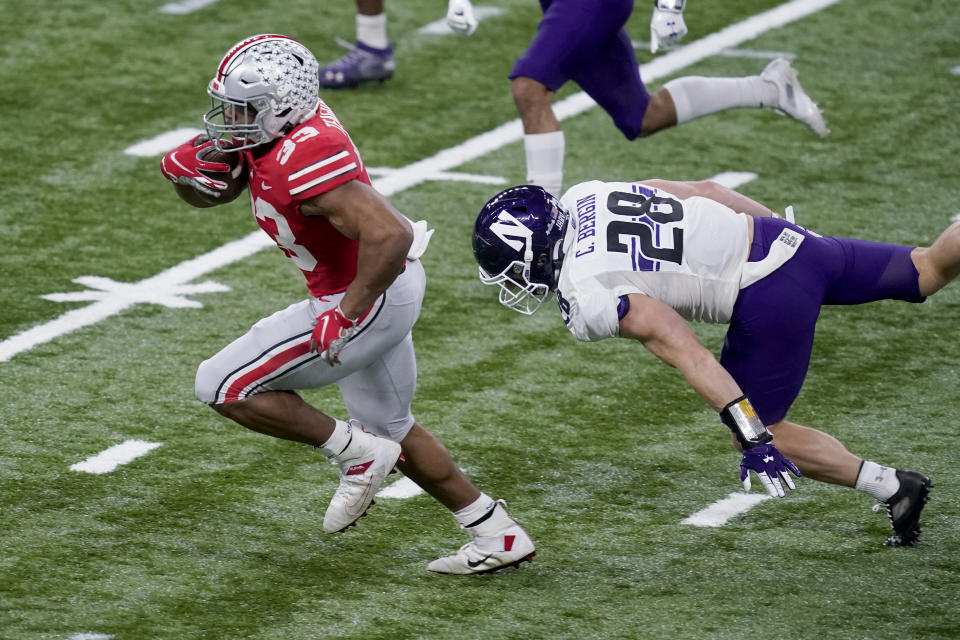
586, 223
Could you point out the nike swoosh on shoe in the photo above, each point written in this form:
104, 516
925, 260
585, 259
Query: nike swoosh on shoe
474, 565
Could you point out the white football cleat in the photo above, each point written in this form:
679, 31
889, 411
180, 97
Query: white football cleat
363, 466
792, 100
507, 546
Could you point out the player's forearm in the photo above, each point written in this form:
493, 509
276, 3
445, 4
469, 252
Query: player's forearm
715, 191
667, 336
736, 201
710, 380
380, 260
699, 366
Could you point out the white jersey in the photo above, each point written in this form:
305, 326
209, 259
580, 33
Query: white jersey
630, 238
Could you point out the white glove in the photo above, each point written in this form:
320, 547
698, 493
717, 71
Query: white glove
666, 24
460, 17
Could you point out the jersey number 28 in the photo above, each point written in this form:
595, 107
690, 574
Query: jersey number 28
659, 210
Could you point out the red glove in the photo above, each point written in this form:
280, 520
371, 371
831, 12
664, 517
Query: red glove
185, 165
331, 333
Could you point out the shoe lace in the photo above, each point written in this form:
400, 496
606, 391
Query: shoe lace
354, 55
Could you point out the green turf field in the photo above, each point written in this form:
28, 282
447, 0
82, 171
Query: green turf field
600, 450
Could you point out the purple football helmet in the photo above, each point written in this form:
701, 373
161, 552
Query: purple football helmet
517, 241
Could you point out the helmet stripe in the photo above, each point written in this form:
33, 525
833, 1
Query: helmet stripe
242, 46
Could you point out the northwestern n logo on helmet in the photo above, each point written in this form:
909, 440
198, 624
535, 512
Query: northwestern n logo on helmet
511, 231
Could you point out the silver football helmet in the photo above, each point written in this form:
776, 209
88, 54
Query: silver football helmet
265, 85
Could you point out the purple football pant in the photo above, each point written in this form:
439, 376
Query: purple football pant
584, 41
767, 347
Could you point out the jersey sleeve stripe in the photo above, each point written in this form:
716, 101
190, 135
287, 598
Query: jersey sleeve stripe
324, 178
318, 165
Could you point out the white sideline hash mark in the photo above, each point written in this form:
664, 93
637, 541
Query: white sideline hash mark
402, 488
415, 173
441, 28
717, 514
734, 179
109, 459
90, 636
185, 6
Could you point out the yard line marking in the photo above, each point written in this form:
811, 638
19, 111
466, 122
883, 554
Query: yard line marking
90, 636
402, 488
415, 173
717, 514
185, 6
441, 28
758, 54
109, 459
955, 71
167, 288
162, 143
449, 176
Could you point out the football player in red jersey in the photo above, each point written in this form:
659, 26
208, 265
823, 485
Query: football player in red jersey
311, 194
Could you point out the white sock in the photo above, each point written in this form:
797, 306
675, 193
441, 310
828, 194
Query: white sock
544, 152
696, 96
372, 30
878, 481
475, 510
338, 441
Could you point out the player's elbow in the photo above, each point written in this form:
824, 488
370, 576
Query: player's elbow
389, 244
401, 238
708, 188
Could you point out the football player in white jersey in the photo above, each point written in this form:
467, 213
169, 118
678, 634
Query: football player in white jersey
311, 194
639, 260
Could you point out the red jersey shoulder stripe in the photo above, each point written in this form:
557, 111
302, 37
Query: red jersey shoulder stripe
311, 170
318, 165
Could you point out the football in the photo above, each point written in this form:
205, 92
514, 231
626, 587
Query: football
236, 180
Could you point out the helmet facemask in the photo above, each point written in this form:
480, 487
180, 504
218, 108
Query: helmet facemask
235, 125
516, 290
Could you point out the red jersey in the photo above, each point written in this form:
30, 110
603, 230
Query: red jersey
315, 157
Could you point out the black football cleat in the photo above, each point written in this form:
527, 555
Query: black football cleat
904, 508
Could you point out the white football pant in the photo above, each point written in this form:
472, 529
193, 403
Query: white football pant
378, 371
